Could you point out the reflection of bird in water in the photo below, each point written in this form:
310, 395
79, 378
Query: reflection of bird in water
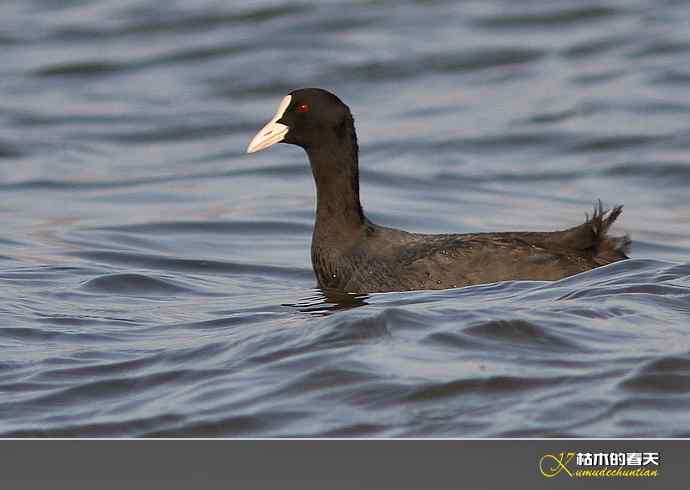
328, 301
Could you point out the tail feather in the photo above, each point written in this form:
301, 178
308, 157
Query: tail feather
605, 248
592, 236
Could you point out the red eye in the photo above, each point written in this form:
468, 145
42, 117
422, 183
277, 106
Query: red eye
303, 108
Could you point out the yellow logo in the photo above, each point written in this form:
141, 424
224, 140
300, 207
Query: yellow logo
551, 465
600, 464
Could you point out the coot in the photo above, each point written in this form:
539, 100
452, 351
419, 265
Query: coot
351, 253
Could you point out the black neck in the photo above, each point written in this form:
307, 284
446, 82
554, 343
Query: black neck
334, 164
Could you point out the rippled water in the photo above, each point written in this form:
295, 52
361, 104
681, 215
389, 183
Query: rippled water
156, 280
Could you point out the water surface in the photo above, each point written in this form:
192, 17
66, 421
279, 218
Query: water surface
156, 280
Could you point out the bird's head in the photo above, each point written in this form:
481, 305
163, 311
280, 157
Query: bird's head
307, 117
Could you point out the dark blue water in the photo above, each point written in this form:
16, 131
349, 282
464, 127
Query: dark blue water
155, 280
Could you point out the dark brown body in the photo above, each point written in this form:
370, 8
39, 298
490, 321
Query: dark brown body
376, 259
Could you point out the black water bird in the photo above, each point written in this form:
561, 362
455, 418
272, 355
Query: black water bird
351, 253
